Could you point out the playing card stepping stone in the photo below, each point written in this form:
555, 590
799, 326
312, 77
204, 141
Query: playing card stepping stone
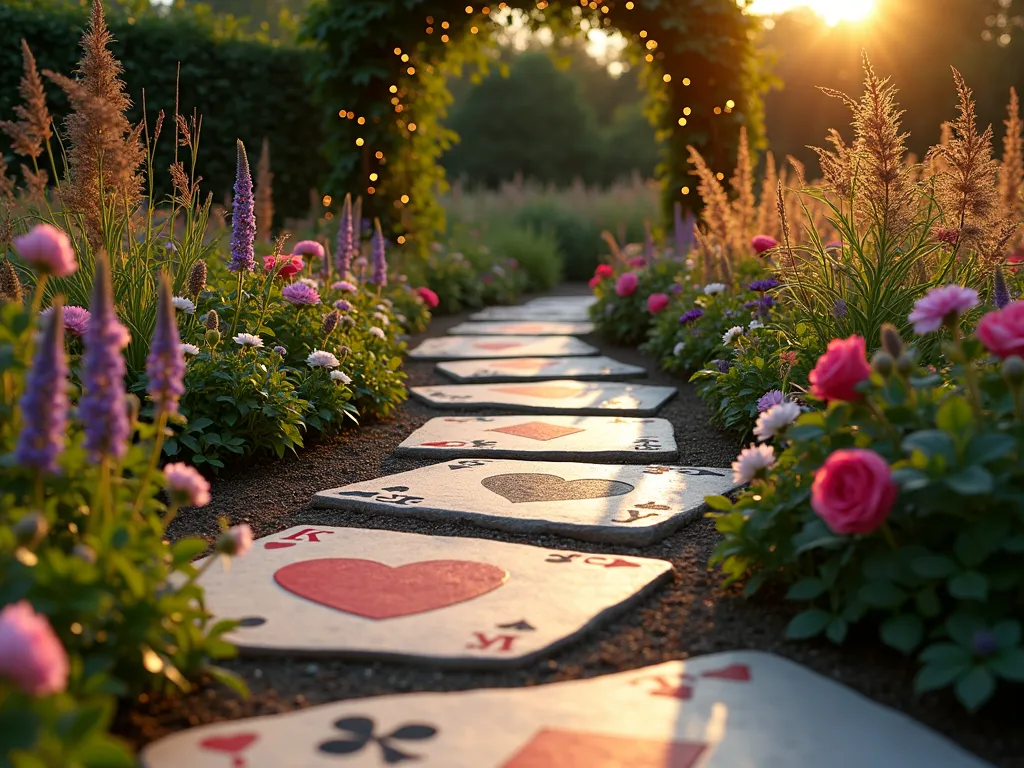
551, 438
522, 328
471, 347
723, 710
535, 312
632, 505
558, 396
349, 592
580, 301
538, 369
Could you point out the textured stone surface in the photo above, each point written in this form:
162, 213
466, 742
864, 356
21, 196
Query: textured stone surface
549, 438
472, 347
522, 328
321, 590
539, 368
593, 502
723, 710
558, 396
536, 312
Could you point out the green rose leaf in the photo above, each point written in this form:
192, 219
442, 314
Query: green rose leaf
903, 632
969, 585
975, 688
809, 623
806, 589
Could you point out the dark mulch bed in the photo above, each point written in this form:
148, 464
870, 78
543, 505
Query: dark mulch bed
692, 615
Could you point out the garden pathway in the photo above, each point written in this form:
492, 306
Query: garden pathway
690, 616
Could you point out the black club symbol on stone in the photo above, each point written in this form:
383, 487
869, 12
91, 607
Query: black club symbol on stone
360, 734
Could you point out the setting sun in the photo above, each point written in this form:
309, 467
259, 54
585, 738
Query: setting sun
831, 11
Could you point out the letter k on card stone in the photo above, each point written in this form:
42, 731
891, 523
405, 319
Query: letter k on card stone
350, 592
633, 505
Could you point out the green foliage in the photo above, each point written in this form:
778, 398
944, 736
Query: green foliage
626, 319
535, 253
215, 59
123, 602
939, 578
703, 45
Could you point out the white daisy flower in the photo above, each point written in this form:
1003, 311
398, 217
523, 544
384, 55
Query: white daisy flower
379, 333
318, 358
309, 281
775, 419
755, 324
184, 305
731, 334
342, 377
248, 340
751, 462
402, 319
678, 348
384, 319
712, 288
189, 349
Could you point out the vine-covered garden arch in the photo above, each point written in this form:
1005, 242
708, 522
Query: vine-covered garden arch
380, 79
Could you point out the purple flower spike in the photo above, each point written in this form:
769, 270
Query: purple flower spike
346, 239
1000, 293
44, 406
243, 220
380, 264
165, 365
102, 409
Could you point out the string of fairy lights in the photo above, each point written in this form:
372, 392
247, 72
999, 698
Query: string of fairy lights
406, 67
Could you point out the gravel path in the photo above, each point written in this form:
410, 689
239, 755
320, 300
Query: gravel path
692, 615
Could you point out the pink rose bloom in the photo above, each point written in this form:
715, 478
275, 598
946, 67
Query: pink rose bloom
603, 271
762, 243
657, 302
300, 293
31, 655
626, 285
837, 372
428, 296
594, 281
236, 541
288, 265
76, 319
853, 492
1002, 332
949, 301
309, 248
186, 486
48, 250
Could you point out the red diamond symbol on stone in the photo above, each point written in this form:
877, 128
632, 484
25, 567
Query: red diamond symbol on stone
538, 430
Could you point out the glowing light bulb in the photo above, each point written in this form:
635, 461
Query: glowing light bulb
359, 142
405, 199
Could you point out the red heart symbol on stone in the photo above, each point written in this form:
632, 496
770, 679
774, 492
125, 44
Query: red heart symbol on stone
443, 444
235, 743
740, 672
496, 346
278, 544
376, 591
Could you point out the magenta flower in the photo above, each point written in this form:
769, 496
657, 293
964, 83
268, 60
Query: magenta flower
186, 486
762, 243
308, 248
76, 319
31, 655
626, 284
300, 293
941, 305
48, 250
656, 302
342, 306
44, 405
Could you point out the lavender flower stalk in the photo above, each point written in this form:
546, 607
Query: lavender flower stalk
165, 365
103, 408
380, 264
243, 219
44, 406
346, 237
1000, 293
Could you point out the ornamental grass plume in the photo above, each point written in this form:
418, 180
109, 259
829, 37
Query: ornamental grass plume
10, 284
196, 282
165, 366
31, 132
717, 212
967, 191
380, 264
264, 199
104, 148
103, 408
1011, 173
346, 239
837, 167
767, 213
744, 209
243, 217
44, 406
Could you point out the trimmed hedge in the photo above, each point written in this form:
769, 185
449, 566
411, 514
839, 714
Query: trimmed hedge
242, 88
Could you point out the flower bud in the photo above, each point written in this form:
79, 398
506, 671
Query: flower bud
134, 407
212, 321
212, 337
197, 280
905, 364
30, 530
330, 322
235, 541
882, 363
1013, 371
891, 341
